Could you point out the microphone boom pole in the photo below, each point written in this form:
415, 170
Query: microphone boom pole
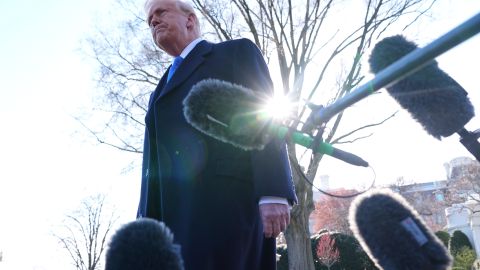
307, 141
400, 69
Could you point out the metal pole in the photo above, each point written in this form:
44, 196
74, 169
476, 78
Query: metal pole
401, 68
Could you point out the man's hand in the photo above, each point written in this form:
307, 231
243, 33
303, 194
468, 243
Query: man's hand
275, 218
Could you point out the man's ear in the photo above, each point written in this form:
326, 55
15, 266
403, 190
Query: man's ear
191, 21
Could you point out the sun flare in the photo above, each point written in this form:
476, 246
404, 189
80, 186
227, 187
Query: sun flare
279, 107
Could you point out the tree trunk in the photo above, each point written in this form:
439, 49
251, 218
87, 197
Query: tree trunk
297, 235
299, 246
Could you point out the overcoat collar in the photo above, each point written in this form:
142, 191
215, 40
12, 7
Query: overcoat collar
194, 59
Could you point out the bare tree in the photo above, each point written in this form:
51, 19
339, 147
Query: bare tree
331, 213
464, 184
129, 66
429, 204
85, 233
303, 39
302, 34
327, 252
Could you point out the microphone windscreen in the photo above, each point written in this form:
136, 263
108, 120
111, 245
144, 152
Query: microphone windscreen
430, 95
393, 234
227, 112
144, 244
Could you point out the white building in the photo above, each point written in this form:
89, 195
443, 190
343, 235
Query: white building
460, 217
464, 217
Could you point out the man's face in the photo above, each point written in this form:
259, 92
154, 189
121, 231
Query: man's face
168, 25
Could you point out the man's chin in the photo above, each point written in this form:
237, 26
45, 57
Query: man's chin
159, 42
161, 46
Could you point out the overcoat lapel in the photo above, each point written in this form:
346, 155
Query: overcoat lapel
158, 89
194, 59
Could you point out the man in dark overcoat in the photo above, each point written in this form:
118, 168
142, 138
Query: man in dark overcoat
224, 205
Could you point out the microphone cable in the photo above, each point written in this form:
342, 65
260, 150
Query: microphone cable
305, 178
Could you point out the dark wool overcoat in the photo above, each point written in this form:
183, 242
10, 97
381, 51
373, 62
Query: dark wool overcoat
205, 190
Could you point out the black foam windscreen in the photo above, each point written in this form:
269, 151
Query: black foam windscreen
144, 244
228, 112
430, 95
394, 235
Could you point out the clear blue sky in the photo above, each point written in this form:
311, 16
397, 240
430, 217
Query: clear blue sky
46, 168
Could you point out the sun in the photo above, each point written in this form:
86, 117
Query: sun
279, 107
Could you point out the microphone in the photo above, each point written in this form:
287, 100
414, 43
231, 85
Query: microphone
394, 235
228, 112
233, 114
430, 95
144, 244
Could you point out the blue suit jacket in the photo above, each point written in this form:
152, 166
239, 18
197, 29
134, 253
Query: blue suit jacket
205, 190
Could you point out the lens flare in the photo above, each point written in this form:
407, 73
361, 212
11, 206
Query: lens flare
279, 107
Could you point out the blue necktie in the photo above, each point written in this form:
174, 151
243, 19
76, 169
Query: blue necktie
178, 60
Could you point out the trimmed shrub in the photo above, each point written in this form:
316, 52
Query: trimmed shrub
352, 256
457, 242
464, 259
444, 237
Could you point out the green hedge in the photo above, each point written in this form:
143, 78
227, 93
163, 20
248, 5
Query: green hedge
352, 256
457, 242
444, 237
464, 259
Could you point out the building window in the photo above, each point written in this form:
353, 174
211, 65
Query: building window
439, 197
